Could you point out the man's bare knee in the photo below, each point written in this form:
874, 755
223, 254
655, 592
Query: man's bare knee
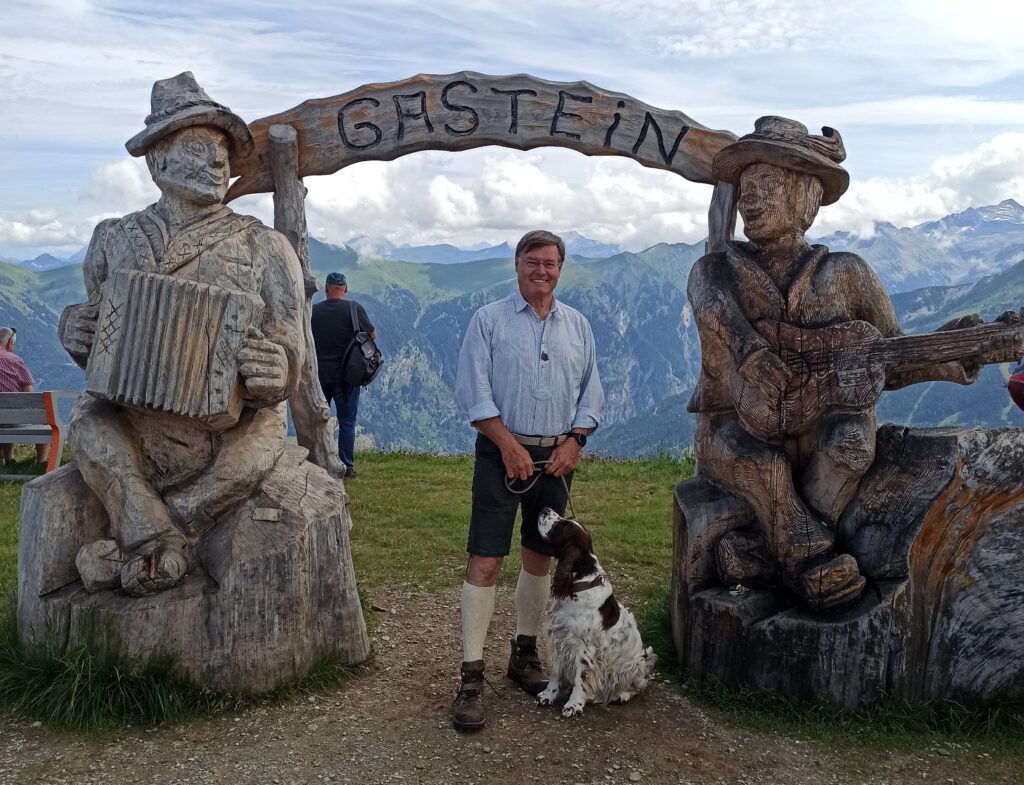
483, 570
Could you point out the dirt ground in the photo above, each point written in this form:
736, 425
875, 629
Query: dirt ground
390, 724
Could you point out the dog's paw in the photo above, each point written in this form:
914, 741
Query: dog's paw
572, 710
548, 697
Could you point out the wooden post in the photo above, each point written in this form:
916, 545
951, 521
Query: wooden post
311, 413
721, 218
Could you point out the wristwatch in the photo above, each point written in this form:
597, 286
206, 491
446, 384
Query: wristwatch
581, 438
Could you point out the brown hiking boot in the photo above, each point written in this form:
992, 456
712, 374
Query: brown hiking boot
468, 708
524, 665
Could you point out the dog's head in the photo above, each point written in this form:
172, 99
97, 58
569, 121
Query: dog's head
573, 547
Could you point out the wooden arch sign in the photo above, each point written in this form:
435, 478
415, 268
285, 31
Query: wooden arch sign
381, 122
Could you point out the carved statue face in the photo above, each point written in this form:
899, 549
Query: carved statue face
192, 165
776, 202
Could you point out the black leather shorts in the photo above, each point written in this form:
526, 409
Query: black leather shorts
494, 506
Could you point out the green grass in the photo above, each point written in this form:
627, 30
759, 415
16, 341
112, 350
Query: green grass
888, 725
411, 516
414, 533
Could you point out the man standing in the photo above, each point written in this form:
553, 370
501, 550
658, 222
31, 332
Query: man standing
15, 377
333, 334
528, 382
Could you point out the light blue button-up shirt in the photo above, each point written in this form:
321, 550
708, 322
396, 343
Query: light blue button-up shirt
539, 376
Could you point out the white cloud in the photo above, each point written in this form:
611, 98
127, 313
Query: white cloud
945, 73
991, 172
986, 174
37, 229
121, 186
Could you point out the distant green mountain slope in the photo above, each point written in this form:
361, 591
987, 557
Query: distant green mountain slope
648, 350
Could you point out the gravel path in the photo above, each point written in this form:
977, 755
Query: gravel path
390, 724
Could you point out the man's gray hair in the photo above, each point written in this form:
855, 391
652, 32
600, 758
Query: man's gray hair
6, 333
539, 238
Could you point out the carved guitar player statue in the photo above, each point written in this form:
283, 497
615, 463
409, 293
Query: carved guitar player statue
797, 345
184, 493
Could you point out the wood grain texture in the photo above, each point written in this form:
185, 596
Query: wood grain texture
937, 528
465, 110
270, 599
314, 426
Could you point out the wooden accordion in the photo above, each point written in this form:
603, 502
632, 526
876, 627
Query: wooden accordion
171, 345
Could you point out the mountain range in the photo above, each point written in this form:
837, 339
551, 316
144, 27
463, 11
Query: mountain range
648, 350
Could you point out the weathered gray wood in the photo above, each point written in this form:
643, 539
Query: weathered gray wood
270, 598
937, 527
229, 551
25, 434
465, 110
314, 426
797, 345
12, 403
721, 217
33, 418
150, 352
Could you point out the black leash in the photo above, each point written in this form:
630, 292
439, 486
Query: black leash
537, 474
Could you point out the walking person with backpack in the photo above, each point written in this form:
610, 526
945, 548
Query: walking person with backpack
338, 324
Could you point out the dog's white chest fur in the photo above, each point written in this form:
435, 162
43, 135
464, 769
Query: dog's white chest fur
593, 643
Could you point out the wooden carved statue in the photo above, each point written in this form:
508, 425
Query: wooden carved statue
797, 345
184, 487
190, 306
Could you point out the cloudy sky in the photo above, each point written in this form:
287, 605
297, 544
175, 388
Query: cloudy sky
928, 94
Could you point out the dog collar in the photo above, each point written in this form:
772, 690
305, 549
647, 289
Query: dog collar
584, 585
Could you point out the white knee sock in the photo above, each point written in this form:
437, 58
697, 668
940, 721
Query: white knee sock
531, 598
477, 608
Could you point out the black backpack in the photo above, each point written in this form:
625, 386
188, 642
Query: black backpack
362, 361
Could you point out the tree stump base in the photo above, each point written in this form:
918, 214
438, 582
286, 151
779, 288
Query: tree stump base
937, 527
275, 593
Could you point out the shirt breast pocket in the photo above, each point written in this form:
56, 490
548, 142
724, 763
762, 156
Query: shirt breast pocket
571, 362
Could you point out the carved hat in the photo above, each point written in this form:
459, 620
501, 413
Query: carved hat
786, 143
179, 102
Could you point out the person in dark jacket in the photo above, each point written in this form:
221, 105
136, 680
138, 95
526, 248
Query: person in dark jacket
332, 335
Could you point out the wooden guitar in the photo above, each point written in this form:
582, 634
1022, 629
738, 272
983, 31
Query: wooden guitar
847, 366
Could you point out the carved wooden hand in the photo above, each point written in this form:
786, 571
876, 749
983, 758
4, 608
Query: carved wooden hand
77, 330
848, 365
264, 367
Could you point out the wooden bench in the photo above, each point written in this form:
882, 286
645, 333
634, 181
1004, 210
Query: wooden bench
32, 418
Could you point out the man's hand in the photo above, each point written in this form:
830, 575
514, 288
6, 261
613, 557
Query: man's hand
77, 330
563, 458
766, 371
264, 367
518, 463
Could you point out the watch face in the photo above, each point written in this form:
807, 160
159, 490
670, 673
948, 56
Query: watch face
581, 438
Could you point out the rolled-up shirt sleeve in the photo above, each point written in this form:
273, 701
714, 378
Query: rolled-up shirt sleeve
590, 407
473, 375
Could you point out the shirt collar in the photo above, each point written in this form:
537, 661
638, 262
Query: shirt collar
520, 302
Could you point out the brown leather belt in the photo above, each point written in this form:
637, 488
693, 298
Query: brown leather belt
539, 441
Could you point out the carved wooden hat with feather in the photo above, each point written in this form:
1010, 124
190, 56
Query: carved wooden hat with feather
786, 143
179, 102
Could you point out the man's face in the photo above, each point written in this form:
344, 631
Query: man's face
764, 203
538, 270
195, 165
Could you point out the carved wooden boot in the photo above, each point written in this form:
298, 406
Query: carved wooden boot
468, 707
155, 569
835, 583
524, 665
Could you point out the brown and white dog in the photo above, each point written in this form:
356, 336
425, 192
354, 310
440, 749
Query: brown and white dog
594, 647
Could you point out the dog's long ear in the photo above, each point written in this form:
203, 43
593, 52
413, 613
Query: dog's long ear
561, 584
